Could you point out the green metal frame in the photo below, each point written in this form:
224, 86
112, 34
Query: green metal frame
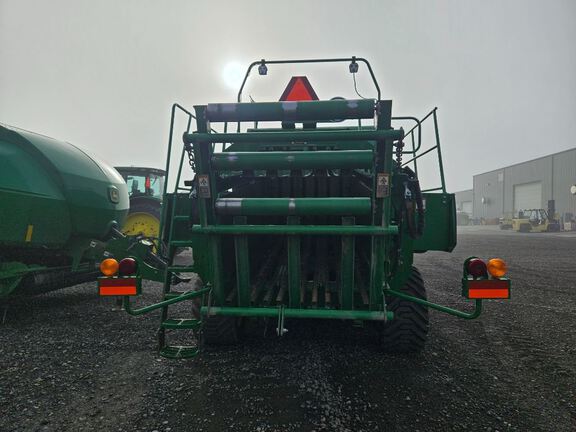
375, 155
221, 227
180, 298
211, 206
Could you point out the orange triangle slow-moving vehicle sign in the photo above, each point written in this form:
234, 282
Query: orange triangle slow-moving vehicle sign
299, 89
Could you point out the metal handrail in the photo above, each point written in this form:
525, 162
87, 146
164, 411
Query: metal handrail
411, 132
191, 116
298, 61
436, 147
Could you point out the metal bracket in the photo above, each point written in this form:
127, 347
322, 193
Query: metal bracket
451, 311
280, 330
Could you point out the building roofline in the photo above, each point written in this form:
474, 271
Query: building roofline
524, 162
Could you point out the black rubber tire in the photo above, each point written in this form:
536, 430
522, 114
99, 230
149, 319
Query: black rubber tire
217, 330
408, 331
525, 227
220, 330
144, 204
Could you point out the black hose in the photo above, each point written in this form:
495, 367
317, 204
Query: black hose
414, 208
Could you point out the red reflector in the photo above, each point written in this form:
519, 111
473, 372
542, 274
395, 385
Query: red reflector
488, 289
299, 89
118, 286
488, 293
118, 290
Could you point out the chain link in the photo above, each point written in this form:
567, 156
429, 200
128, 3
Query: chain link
399, 148
191, 159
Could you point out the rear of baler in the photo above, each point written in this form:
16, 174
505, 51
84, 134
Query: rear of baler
305, 220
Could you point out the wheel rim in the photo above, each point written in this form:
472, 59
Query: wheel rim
142, 224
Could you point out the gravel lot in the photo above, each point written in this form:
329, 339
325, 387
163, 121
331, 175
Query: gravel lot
71, 362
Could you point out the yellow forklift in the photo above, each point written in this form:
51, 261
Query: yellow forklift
534, 220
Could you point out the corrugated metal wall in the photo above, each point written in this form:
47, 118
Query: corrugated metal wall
466, 196
556, 172
564, 177
488, 194
539, 170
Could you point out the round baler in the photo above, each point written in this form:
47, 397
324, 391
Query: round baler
57, 207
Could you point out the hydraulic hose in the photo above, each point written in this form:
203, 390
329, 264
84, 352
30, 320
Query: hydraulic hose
413, 205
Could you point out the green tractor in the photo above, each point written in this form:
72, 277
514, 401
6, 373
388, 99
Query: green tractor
307, 209
145, 188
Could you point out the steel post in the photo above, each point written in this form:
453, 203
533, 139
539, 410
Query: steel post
242, 265
295, 136
293, 206
291, 230
272, 312
294, 279
347, 267
228, 161
292, 111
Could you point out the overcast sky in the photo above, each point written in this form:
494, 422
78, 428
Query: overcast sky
103, 74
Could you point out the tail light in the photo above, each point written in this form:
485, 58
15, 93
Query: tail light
485, 281
128, 266
476, 268
109, 267
497, 267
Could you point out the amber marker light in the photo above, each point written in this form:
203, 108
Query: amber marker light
109, 267
497, 267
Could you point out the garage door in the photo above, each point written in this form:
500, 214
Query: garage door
528, 196
467, 207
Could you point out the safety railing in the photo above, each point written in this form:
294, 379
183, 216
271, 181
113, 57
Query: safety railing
415, 135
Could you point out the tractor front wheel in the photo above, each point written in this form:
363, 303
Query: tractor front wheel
408, 331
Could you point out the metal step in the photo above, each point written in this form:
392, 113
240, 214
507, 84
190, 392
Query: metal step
181, 323
179, 352
181, 268
173, 294
181, 243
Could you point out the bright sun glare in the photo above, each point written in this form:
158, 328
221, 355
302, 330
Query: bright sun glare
233, 74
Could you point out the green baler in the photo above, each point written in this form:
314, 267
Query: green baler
57, 208
309, 219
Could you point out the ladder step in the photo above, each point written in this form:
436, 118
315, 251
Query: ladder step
181, 243
181, 323
173, 294
179, 352
181, 268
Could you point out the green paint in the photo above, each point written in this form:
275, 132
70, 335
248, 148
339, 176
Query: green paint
299, 313
293, 206
292, 160
298, 222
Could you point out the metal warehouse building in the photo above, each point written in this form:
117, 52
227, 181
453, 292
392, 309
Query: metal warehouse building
525, 185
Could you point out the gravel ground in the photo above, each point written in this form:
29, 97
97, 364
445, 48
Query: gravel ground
71, 362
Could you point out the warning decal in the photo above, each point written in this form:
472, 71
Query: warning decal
203, 186
382, 185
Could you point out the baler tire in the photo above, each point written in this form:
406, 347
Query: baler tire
408, 331
220, 330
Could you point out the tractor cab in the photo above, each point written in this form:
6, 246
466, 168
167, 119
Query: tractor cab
145, 188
